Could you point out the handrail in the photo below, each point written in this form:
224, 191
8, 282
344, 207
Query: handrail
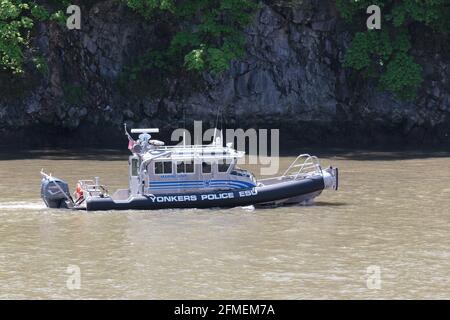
208, 147
92, 186
310, 165
195, 151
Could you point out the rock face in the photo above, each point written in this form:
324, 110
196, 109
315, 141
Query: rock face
290, 78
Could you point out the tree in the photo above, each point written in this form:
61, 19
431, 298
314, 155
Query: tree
208, 35
385, 54
17, 18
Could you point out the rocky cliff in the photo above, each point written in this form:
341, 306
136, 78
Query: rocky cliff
290, 78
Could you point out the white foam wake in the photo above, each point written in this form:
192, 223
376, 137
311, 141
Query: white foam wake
15, 205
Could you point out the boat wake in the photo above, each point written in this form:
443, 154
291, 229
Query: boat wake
18, 205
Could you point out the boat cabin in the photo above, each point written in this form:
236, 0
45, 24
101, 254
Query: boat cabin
158, 169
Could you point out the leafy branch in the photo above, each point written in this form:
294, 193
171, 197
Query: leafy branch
385, 54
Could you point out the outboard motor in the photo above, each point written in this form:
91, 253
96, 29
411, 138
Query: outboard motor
55, 192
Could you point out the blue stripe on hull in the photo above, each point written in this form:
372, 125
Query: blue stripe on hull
200, 187
233, 184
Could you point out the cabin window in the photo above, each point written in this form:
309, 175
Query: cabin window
163, 167
223, 165
206, 167
134, 167
190, 167
185, 167
167, 165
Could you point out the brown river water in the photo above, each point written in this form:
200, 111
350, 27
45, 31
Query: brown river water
384, 234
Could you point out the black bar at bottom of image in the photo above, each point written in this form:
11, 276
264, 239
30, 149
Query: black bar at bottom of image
216, 309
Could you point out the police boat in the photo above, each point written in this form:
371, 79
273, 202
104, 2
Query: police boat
191, 176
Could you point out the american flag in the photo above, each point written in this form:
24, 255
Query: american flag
131, 143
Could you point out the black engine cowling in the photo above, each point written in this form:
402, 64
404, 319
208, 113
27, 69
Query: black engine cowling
54, 192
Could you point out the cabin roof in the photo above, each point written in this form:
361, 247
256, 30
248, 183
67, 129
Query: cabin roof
197, 152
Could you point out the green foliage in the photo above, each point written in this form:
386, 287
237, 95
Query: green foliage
385, 54
209, 33
364, 45
17, 18
13, 20
39, 13
195, 60
147, 7
40, 65
402, 76
204, 34
59, 17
